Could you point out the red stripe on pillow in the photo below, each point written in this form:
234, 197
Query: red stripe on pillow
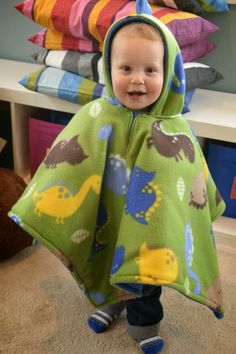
107, 15
62, 7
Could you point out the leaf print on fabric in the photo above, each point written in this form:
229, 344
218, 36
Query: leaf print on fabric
79, 235
95, 109
180, 188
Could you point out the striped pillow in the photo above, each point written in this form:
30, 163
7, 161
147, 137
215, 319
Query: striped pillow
63, 84
71, 87
51, 39
89, 65
195, 6
90, 20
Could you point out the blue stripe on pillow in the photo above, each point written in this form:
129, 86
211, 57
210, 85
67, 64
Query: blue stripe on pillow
69, 86
49, 81
98, 91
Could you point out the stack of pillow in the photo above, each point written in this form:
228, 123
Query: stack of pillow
71, 42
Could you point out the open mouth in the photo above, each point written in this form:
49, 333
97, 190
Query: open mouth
136, 93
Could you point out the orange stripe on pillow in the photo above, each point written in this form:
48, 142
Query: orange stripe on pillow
167, 15
92, 20
45, 8
181, 16
53, 37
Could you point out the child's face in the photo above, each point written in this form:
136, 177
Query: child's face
137, 70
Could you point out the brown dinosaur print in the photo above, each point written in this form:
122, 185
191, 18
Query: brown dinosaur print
171, 145
198, 194
65, 151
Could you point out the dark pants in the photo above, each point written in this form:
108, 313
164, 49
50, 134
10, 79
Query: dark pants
147, 310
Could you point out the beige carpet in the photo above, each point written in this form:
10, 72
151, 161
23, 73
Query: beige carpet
42, 311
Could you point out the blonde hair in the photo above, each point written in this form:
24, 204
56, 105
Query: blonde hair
141, 29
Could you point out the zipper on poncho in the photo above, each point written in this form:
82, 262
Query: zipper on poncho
134, 115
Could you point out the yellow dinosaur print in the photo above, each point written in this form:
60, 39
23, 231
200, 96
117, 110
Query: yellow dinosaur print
157, 265
59, 202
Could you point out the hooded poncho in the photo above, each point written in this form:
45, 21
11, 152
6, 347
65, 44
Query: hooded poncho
126, 199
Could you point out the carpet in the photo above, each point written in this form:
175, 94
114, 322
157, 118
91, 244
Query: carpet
42, 311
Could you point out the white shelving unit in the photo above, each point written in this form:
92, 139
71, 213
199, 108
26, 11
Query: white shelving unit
213, 115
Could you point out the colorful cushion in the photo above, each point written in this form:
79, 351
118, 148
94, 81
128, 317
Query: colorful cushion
51, 39
91, 19
184, 5
200, 75
213, 5
89, 65
197, 50
63, 84
67, 85
195, 6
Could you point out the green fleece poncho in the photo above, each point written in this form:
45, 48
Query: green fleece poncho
126, 199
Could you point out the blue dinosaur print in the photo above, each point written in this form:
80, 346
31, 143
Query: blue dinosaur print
141, 195
116, 175
105, 132
118, 259
102, 219
189, 257
97, 297
178, 81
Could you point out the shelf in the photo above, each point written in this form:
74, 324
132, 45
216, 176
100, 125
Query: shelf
213, 115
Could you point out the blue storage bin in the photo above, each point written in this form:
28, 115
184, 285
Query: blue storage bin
221, 159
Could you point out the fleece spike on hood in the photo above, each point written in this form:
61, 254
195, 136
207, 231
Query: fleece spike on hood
171, 101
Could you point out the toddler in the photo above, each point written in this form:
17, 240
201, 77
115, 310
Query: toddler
132, 210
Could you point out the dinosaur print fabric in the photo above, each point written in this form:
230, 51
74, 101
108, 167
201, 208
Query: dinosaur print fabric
126, 199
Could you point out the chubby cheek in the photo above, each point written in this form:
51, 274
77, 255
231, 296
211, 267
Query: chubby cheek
119, 87
156, 89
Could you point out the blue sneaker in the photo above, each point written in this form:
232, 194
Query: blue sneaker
152, 345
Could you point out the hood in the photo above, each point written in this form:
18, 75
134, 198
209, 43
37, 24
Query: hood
171, 101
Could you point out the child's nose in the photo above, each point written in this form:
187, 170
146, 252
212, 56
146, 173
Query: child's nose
137, 78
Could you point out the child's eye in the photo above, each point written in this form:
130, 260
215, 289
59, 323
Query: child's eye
150, 70
126, 68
